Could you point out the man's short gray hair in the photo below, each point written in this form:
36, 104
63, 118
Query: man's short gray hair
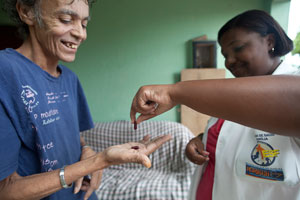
9, 7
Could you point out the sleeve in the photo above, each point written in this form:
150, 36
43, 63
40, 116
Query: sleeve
297, 141
9, 145
84, 115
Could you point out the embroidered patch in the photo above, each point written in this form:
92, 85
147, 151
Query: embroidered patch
263, 154
264, 173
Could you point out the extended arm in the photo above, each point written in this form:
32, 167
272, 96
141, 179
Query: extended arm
269, 103
41, 185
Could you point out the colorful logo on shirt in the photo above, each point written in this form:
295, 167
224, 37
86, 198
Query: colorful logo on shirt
28, 95
263, 154
264, 173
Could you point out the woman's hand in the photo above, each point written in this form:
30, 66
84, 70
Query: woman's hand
84, 183
195, 152
150, 101
134, 152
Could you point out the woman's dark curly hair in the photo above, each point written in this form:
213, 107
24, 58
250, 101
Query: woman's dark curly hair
260, 22
9, 6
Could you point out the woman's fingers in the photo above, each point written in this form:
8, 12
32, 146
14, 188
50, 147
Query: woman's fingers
195, 151
198, 158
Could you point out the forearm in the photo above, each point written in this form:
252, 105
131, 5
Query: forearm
41, 185
267, 103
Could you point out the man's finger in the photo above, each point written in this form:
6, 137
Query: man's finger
78, 184
93, 185
88, 193
99, 178
157, 142
144, 160
145, 139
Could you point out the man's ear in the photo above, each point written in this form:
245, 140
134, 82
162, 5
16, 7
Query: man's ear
26, 13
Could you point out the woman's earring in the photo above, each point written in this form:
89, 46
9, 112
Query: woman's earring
271, 52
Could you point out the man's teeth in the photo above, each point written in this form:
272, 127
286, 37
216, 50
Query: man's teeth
72, 46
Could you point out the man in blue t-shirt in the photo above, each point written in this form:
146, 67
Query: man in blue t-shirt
43, 109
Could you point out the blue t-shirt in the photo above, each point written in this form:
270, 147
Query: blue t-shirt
41, 117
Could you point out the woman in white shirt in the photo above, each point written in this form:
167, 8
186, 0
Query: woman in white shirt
250, 164
242, 162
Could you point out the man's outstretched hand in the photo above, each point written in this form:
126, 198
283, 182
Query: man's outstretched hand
135, 152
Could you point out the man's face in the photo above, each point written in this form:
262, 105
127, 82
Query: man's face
63, 28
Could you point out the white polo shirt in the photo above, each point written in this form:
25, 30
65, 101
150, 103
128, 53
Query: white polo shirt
253, 164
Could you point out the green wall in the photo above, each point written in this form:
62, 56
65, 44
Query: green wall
280, 11
136, 42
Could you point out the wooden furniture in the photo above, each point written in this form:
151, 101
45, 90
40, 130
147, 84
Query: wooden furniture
192, 119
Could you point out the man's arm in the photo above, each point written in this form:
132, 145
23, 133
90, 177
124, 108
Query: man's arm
43, 184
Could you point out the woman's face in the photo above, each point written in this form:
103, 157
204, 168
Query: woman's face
247, 53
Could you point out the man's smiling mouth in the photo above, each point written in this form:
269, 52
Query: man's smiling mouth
70, 45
